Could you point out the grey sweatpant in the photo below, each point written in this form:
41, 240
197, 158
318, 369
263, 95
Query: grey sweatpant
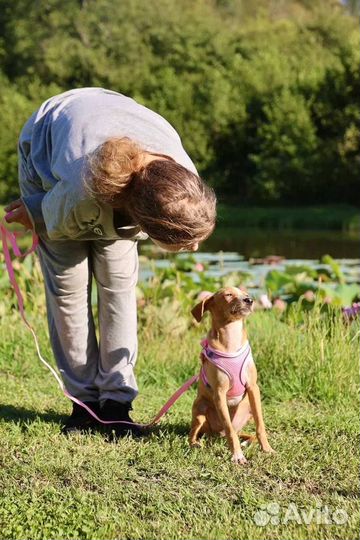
91, 369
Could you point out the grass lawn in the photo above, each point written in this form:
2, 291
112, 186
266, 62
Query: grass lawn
53, 487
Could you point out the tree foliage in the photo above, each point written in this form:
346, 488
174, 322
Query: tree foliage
264, 94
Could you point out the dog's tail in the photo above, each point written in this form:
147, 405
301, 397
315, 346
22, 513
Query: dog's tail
247, 439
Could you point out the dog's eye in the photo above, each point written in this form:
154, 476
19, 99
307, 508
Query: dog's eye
228, 294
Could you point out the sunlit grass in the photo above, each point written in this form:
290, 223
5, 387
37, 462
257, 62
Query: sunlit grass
82, 487
52, 487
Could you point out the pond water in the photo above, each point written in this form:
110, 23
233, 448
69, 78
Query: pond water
292, 244
230, 250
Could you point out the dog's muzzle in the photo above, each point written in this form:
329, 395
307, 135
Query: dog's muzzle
242, 306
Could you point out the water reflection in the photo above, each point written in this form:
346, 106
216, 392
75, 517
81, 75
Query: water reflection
292, 244
233, 250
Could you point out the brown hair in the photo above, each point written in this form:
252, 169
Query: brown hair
169, 202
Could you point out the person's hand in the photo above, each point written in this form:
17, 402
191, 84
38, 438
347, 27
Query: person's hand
19, 214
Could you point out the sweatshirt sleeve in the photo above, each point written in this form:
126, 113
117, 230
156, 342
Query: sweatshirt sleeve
59, 149
52, 190
32, 192
64, 220
34, 210
66, 214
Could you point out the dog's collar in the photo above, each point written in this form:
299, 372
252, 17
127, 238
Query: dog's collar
205, 345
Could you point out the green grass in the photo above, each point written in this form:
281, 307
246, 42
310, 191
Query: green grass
53, 487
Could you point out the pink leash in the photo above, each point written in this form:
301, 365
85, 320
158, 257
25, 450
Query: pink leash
8, 237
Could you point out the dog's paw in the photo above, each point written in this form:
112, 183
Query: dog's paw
195, 444
239, 459
267, 449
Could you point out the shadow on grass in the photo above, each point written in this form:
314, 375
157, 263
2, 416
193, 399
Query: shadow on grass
181, 428
22, 416
9, 413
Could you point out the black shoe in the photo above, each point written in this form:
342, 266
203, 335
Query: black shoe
80, 421
114, 410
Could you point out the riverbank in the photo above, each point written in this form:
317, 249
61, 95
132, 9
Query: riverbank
334, 217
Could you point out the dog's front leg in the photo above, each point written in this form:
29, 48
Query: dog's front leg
198, 420
222, 409
255, 404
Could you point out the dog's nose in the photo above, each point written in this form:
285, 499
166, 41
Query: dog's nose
248, 300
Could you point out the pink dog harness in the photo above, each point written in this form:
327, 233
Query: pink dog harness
233, 364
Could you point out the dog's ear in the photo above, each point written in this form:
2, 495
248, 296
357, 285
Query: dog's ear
202, 306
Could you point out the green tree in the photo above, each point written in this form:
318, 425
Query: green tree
264, 94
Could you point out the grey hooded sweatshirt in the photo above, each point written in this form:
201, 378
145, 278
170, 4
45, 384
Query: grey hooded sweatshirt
53, 147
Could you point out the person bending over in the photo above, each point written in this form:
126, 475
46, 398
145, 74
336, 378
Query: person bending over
97, 173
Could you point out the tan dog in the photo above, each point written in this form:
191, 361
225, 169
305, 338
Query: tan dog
227, 368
